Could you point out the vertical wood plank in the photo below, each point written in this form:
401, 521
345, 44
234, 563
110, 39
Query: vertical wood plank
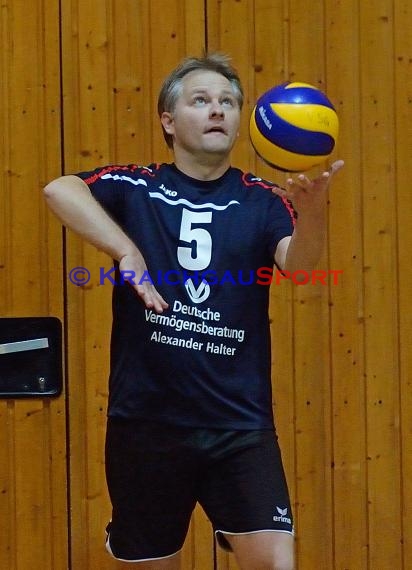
346, 299
7, 489
7, 486
403, 98
313, 484
131, 121
228, 33
202, 542
270, 63
306, 62
30, 498
380, 283
180, 33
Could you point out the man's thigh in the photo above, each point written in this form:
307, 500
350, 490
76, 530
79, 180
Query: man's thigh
151, 477
244, 489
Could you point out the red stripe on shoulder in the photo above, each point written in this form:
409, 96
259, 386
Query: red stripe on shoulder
104, 171
149, 171
144, 170
255, 181
249, 179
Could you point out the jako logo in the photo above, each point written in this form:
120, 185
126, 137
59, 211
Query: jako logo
167, 191
282, 518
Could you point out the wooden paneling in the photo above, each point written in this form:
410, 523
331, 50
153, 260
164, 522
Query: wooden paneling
115, 55
380, 279
228, 33
341, 353
33, 527
403, 196
306, 62
347, 311
273, 48
337, 349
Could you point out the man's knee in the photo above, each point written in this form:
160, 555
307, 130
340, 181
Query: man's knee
276, 561
283, 564
263, 550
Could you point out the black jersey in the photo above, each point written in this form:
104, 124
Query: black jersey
204, 362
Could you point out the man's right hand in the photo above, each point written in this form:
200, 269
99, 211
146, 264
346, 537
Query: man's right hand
133, 264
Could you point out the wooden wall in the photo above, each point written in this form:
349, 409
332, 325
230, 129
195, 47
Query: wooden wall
33, 493
79, 82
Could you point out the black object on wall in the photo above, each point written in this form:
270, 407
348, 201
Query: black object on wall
30, 357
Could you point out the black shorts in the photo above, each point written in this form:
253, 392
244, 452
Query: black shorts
156, 473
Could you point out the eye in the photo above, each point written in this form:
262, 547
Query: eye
228, 101
199, 100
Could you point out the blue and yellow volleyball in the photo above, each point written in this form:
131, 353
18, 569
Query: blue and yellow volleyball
294, 127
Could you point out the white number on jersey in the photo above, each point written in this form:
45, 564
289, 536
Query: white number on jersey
201, 238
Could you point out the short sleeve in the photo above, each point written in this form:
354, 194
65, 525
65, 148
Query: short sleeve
279, 222
105, 189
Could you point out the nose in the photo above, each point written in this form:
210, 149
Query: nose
216, 110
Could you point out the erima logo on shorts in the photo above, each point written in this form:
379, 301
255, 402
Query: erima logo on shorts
282, 516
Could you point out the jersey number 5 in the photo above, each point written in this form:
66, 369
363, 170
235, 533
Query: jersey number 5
198, 254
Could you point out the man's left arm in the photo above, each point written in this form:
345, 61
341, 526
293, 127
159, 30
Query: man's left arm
303, 249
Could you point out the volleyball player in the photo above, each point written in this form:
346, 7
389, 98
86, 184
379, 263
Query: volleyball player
190, 404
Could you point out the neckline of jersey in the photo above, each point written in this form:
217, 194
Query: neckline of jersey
207, 184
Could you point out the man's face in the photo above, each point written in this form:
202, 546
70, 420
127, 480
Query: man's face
206, 117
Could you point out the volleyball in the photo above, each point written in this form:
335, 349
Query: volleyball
294, 127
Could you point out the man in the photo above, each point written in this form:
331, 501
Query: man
190, 414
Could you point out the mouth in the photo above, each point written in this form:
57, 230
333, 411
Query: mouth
216, 129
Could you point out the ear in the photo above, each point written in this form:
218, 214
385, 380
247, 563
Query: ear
168, 123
